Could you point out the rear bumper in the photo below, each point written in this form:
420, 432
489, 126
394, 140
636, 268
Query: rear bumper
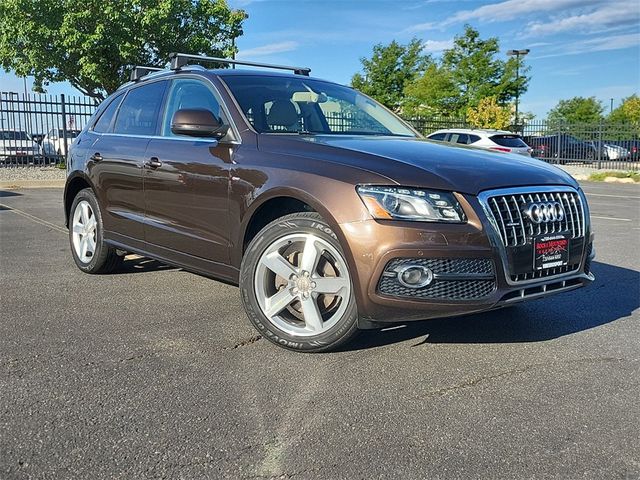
372, 245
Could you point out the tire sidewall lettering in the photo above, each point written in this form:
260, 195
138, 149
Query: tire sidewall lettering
345, 326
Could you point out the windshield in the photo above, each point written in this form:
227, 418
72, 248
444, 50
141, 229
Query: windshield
13, 135
302, 105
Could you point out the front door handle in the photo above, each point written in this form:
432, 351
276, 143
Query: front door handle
154, 162
96, 157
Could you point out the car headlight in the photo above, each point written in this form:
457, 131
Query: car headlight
399, 203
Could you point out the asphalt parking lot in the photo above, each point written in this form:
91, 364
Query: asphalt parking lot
155, 372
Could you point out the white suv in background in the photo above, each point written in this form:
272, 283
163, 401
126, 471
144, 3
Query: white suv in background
498, 140
53, 142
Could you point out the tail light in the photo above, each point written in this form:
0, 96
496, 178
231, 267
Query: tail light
543, 147
634, 149
500, 149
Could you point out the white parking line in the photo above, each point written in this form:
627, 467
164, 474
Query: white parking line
57, 228
613, 196
612, 218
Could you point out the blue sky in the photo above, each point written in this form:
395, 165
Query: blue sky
585, 48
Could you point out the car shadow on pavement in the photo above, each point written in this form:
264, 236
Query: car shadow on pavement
8, 193
141, 265
614, 294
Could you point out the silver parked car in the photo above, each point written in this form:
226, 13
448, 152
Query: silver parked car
17, 146
497, 140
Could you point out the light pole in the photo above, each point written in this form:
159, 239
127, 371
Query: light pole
517, 54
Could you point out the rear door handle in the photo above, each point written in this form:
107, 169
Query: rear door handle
153, 162
96, 157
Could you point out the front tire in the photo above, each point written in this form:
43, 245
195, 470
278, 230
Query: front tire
296, 287
88, 249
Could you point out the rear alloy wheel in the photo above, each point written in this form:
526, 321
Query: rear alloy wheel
89, 251
296, 286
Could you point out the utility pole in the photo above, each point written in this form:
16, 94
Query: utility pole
518, 54
611, 106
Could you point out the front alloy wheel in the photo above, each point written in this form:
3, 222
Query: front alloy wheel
296, 285
90, 253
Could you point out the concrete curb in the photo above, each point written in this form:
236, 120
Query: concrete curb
585, 178
582, 174
17, 184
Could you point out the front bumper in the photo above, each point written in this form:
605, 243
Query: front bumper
374, 245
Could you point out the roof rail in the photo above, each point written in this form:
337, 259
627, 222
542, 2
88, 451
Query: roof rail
179, 60
138, 72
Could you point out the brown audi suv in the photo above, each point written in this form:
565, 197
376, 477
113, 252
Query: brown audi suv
329, 212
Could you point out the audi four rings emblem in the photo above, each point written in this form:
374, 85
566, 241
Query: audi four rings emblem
543, 212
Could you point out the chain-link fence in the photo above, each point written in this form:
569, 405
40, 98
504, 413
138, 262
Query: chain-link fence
603, 144
37, 130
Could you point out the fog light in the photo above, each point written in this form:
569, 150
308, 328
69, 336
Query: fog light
415, 276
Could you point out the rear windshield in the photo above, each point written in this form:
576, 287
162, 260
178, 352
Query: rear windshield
513, 141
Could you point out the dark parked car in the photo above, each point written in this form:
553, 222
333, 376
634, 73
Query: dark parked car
326, 226
562, 147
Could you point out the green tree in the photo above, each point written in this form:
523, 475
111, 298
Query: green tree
627, 112
489, 114
390, 69
576, 110
477, 71
434, 93
94, 44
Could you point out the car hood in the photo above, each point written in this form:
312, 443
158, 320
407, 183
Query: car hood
423, 163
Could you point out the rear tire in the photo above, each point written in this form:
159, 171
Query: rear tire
88, 249
296, 287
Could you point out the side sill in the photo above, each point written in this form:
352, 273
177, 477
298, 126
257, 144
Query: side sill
201, 266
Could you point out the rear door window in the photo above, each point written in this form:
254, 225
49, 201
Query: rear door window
138, 114
104, 121
437, 136
512, 141
463, 139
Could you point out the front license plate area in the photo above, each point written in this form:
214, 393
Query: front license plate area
550, 251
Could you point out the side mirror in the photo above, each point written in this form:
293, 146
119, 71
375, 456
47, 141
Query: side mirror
198, 122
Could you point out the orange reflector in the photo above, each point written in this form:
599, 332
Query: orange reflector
375, 208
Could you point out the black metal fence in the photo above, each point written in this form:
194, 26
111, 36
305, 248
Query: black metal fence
37, 130
602, 145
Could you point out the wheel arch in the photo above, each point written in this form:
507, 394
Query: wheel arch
77, 181
274, 204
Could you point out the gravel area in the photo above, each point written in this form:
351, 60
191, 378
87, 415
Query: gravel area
31, 173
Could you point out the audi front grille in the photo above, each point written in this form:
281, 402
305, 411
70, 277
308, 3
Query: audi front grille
516, 229
519, 215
